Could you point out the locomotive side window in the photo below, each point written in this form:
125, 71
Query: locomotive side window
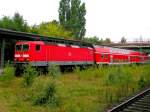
38, 47
18, 47
25, 47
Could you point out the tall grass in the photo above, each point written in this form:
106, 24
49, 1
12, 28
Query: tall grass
29, 75
8, 74
47, 95
53, 71
89, 90
117, 82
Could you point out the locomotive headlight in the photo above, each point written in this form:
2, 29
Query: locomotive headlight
17, 55
26, 55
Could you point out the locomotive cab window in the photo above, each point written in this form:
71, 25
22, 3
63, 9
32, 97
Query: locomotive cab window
18, 47
25, 47
38, 47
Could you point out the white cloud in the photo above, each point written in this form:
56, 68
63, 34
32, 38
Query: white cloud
105, 18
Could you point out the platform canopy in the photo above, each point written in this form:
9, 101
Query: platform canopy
9, 34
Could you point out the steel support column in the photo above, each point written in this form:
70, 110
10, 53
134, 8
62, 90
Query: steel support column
2, 52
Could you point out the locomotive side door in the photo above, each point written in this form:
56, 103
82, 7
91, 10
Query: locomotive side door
48, 54
40, 55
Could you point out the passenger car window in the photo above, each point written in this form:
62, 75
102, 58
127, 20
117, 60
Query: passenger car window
38, 47
104, 56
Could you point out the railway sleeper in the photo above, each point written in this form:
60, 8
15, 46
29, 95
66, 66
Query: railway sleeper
128, 110
146, 97
138, 109
144, 101
141, 106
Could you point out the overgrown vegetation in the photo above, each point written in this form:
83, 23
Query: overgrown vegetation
53, 71
117, 82
89, 90
47, 95
29, 75
52, 29
8, 74
97, 40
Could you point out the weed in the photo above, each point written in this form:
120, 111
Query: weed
53, 71
93, 88
47, 96
141, 82
8, 74
29, 75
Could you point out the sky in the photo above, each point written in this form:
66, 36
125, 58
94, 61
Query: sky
112, 19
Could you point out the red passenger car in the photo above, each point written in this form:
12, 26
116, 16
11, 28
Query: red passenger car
109, 55
119, 56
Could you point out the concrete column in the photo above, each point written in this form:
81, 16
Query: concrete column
2, 52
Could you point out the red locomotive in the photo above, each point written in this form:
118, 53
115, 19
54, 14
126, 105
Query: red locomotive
41, 53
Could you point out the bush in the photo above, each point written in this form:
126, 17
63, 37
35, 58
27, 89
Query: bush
47, 96
53, 71
29, 75
8, 74
141, 82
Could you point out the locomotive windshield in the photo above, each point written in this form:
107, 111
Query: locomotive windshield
18, 47
24, 47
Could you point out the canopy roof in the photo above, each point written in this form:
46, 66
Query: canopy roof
9, 34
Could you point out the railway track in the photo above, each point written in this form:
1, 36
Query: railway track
138, 103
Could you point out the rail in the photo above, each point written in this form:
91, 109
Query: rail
138, 103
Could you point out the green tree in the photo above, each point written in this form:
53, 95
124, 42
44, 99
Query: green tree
19, 23
107, 41
6, 22
72, 17
64, 13
51, 29
123, 40
94, 40
34, 29
16, 23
